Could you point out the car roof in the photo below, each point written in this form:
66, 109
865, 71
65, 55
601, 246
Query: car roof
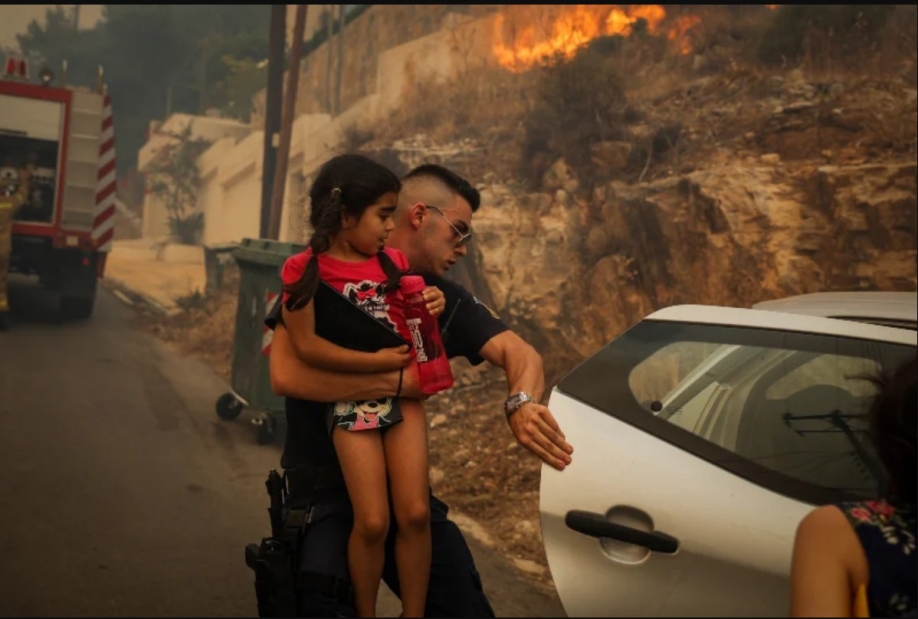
898, 309
780, 321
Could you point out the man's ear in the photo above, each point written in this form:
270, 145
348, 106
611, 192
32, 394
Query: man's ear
416, 213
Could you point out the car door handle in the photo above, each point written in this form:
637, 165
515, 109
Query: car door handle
595, 525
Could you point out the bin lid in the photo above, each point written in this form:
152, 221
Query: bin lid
266, 251
221, 247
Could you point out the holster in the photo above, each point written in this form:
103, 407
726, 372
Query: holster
275, 589
279, 583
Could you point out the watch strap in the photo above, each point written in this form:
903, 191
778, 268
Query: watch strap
516, 402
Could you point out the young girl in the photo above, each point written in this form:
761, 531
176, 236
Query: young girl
351, 205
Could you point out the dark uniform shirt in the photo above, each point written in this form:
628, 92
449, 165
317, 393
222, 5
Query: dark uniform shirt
466, 324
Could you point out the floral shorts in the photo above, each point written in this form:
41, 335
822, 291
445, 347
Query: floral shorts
365, 415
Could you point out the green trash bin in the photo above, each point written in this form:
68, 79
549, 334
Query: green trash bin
260, 261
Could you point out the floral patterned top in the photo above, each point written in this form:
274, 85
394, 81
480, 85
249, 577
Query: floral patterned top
887, 534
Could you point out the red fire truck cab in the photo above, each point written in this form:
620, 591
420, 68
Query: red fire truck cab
63, 232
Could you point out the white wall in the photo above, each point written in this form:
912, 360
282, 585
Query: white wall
224, 133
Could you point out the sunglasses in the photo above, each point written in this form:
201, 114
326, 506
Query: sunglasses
461, 237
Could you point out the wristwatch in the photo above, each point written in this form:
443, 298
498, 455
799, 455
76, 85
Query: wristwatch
515, 402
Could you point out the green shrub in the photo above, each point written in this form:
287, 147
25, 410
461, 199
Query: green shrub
578, 103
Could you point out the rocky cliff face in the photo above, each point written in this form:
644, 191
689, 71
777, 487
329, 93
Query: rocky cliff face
574, 273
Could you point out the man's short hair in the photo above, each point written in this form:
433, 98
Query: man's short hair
450, 179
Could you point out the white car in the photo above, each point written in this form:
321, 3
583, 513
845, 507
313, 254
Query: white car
702, 436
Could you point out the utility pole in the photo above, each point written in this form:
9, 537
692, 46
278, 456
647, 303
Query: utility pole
283, 150
76, 17
327, 18
276, 46
202, 77
340, 58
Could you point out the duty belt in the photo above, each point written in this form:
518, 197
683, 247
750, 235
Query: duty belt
309, 483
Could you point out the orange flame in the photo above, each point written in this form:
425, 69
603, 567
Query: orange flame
619, 22
579, 25
678, 31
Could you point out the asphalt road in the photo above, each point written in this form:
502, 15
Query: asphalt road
122, 492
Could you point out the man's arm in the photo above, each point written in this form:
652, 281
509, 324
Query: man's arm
293, 378
532, 424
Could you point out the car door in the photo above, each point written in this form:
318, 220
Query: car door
701, 438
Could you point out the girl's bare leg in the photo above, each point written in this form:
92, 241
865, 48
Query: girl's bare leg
364, 467
406, 461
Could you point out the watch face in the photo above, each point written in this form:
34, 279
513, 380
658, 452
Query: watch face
515, 401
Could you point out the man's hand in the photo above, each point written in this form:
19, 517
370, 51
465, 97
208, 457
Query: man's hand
536, 429
411, 383
436, 301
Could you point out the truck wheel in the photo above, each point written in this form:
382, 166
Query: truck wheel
77, 308
267, 430
228, 407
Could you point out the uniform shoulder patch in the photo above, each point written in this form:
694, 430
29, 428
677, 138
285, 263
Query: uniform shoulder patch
490, 311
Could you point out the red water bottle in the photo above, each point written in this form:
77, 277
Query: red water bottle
433, 365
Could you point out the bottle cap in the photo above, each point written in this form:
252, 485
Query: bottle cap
411, 284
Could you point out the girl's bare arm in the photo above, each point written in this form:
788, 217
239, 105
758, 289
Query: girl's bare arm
319, 352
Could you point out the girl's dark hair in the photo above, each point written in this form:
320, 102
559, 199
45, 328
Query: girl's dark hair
893, 418
345, 185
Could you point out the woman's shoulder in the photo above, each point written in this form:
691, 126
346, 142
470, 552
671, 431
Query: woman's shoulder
825, 536
827, 529
822, 521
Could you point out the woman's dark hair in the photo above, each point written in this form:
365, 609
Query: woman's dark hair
345, 185
893, 418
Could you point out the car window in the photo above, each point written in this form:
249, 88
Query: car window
785, 410
798, 413
838, 370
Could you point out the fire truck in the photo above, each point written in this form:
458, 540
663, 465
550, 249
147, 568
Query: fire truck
64, 231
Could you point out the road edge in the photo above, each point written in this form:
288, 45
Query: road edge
134, 298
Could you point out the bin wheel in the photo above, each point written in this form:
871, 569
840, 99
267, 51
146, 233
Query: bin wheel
228, 407
267, 430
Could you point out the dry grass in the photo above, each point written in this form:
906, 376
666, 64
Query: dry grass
204, 329
486, 105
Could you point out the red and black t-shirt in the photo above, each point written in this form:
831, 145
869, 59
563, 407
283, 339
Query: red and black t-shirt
361, 282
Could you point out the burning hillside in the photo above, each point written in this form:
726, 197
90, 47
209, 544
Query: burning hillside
545, 35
